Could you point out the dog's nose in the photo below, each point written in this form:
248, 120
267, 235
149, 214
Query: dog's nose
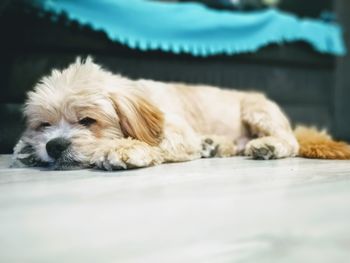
57, 146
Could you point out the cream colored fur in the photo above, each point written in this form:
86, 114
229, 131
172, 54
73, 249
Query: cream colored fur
139, 123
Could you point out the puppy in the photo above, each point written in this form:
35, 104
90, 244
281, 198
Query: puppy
85, 116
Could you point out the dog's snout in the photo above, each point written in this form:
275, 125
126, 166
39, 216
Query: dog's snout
56, 147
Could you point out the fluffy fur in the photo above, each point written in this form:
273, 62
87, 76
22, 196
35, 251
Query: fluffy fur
320, 145
85, 116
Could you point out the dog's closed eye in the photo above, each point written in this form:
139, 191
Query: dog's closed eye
87, 121
43, 125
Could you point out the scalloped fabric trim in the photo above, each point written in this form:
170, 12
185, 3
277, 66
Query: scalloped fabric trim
195, 29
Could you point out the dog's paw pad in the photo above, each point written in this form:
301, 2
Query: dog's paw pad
267, 148
264, 152
209, 148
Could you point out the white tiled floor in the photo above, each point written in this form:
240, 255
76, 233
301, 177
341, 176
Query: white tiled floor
213, 210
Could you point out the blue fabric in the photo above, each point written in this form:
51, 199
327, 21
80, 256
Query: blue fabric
195, 29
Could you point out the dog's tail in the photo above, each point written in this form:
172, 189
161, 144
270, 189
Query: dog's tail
320, 145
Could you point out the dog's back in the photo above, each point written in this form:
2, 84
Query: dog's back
209, 110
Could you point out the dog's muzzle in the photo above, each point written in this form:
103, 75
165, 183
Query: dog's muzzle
56, 147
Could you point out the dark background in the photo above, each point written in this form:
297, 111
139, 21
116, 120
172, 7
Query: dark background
311, 87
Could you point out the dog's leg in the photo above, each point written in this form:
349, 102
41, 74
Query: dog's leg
265, 120
125, 153
180, 143
218, 146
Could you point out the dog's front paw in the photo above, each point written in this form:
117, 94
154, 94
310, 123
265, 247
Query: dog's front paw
267, 148
108, 160
125, 154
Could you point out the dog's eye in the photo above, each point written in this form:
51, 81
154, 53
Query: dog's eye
87, 121
43, 125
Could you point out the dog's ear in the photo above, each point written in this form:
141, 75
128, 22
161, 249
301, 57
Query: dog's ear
139, 118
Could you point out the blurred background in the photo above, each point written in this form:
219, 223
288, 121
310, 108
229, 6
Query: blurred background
311, 86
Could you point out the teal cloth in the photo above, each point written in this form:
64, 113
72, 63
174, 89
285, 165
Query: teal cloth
195, 29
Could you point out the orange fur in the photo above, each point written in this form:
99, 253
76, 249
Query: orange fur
139, 119
319, 145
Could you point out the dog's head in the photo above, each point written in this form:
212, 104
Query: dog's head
73, 112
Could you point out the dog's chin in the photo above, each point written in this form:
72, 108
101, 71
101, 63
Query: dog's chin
26, 156
60, 164
65, 165
67, 162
